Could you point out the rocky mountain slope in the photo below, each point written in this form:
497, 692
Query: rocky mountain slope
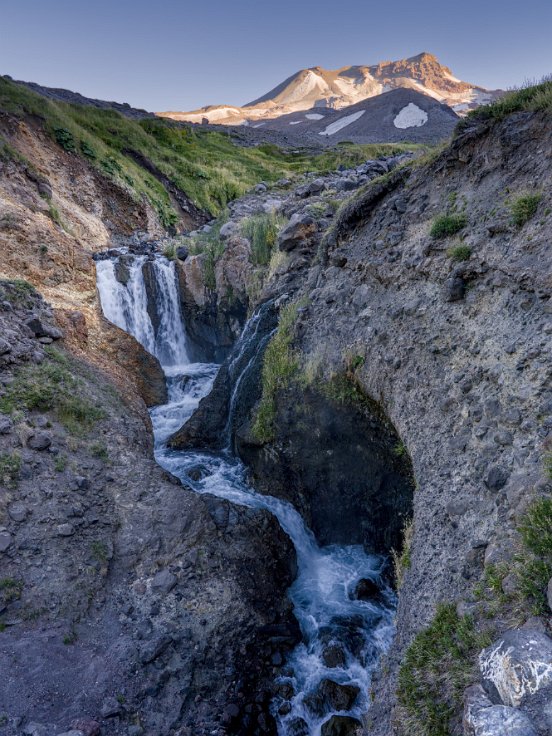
340, 88
430, 295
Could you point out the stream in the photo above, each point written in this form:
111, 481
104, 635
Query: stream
331, 618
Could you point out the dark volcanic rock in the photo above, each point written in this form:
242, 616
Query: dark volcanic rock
341, 726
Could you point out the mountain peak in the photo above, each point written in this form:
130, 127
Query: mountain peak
317, 87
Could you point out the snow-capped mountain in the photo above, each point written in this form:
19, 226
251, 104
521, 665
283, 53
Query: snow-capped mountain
336, 89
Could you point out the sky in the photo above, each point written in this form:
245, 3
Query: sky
181, 55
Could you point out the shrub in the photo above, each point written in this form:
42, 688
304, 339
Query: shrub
262, 231
438, 665
530, 97
10, 465
88, 150
524, 208
65, 139
445, 225
279, 366
459, 252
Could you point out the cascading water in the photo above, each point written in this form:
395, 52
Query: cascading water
331, 618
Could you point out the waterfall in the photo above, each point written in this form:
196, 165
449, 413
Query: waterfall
126, 305
328, 612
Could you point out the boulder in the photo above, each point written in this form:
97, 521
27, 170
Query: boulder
454, 289
43, 329
333, 656
332, 696
341, 726
298, 232
517, 666
39, 441
482, 718
5, 541
88, 726
182, 253
297, 727
228, 229
366, 589
5, 347
163, 582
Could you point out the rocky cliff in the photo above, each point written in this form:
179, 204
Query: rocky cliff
429, 295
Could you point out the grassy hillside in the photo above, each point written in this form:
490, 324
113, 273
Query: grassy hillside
205, 165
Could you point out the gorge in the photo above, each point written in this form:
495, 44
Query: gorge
287, 472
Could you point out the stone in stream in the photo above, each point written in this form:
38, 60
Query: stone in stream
366, 589
333, 656
341, 726
330, 696
297, 727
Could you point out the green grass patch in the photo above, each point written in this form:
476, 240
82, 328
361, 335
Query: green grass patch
10, 465
262, 232
206, 165
438, 665
443, 226
459, 252
18, 292
524, 208
280, 364
533, 97
51, 386
535, 563
10, 590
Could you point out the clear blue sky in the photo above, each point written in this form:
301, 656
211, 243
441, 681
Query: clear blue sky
179, 55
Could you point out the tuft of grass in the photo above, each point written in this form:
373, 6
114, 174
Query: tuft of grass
438, 665
60, 463
51, 386
535, 564
402, 560
18, 292
70, 638
10, 465
99, 551
99, 450
443, 226
262, 232
524, 208
531, 97
459, 252
10, 590
280, 364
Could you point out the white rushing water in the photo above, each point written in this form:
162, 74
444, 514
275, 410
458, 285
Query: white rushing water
327, 612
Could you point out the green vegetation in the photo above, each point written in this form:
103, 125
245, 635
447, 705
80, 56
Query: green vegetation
459, 252
205, 165
70, 638
343, 388
17, 292
280, 364
445, 225
51, 386
402, 560
60, 463
437, 667
212, 247
535, 564
99, 450
534, 97
99, 552
400, 449
10, 590
524, 207
262, 231
10, 465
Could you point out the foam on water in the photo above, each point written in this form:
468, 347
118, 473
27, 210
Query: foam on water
322, 598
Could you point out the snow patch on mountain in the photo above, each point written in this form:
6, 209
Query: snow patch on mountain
410, 116
342, 123
314, 116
